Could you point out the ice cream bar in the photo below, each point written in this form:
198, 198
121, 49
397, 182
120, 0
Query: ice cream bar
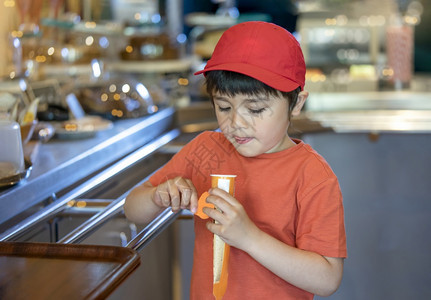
220, 249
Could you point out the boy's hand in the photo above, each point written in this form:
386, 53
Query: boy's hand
235, 227
177, 193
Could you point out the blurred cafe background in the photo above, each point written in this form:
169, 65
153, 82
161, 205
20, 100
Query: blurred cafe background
95, 95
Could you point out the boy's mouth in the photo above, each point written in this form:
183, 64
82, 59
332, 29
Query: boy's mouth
242, 140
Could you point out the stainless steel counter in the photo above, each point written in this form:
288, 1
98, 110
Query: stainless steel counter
372, 112
61, 163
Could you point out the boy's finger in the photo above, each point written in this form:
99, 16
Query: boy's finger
184, 187
218, 192
174, 194
221, 200
194, 201
165, 200
224, 195
185, 196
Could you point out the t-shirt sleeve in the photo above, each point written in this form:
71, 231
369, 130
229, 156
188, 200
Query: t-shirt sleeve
321, 220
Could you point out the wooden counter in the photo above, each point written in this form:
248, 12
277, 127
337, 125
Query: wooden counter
56, 271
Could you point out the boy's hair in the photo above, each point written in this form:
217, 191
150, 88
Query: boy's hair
233, 83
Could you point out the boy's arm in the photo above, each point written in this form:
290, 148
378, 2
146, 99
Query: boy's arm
307, 270
139, 206
146, 201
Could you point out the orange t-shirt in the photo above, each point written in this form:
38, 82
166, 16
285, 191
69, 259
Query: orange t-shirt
293, 195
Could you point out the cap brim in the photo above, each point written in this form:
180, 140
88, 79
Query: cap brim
271, 79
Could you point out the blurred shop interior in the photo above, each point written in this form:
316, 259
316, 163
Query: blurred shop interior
94, 84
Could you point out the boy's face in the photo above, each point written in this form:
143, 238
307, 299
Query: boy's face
254, 124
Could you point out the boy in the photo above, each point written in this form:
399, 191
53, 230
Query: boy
285, 224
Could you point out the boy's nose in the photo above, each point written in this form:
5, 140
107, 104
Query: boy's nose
238, 120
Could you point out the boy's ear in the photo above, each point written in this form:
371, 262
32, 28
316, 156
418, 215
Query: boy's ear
302, 96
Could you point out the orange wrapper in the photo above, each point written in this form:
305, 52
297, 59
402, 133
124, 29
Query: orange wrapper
220, 249
201, 204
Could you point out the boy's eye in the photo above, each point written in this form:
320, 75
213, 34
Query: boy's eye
226, 108
257, 111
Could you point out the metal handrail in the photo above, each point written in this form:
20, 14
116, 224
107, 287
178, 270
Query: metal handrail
82, 231
59, 205
89, 209
142, 239
152, 230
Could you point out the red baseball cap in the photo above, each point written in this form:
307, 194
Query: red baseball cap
264, 51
